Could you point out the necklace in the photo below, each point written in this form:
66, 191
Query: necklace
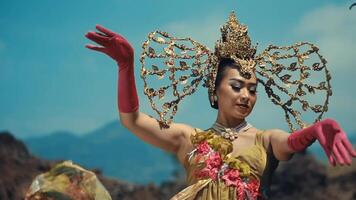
231, 133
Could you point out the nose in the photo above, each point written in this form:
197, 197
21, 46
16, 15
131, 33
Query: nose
245, 95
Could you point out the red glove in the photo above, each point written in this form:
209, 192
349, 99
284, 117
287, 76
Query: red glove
119, 49
331, 137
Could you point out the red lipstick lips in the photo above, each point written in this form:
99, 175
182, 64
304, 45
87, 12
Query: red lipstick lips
243, 105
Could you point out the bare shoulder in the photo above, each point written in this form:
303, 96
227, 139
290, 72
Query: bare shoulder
254, 130
186, 129
194, 131
275, 131
188, 132
266, 136
278, 140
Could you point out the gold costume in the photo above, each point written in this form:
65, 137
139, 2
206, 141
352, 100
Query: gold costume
250, 162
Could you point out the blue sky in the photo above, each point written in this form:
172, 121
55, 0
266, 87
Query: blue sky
50, 82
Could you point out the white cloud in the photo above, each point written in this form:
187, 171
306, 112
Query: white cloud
334, 29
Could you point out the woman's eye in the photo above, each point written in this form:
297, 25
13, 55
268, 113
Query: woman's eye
252, 89
235, 87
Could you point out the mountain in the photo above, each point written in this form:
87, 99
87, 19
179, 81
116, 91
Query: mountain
112, 148
18, 168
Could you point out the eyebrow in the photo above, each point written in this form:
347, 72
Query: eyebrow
243, 82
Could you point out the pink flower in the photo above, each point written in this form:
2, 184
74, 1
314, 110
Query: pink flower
253, 187
203, 148
212, 166
208, 173
250, 189
231, 177
214, 160
203, 173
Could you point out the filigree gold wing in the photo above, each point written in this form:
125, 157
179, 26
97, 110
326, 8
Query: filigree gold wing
172, 68
296, 78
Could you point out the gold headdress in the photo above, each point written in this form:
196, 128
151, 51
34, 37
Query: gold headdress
186, 63
234, 44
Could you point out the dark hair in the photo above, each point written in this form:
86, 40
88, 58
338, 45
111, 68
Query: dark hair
224, 64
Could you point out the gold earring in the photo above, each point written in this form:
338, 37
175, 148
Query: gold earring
213, 99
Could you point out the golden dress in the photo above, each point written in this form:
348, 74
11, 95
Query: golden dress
215, 172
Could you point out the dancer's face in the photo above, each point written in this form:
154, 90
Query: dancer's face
236, 94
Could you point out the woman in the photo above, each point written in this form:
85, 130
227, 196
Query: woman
231, 160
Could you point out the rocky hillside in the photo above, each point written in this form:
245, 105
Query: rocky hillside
305, 178
18, 168
301, 178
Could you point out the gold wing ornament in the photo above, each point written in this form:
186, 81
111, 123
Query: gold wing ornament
180, 61
295, 78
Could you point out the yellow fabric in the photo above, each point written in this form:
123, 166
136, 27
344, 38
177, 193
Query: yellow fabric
207, 189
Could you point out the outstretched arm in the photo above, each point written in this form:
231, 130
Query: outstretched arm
143, 126
278, 140
329, 134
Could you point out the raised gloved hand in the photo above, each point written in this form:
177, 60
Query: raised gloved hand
119, 49
331, 137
